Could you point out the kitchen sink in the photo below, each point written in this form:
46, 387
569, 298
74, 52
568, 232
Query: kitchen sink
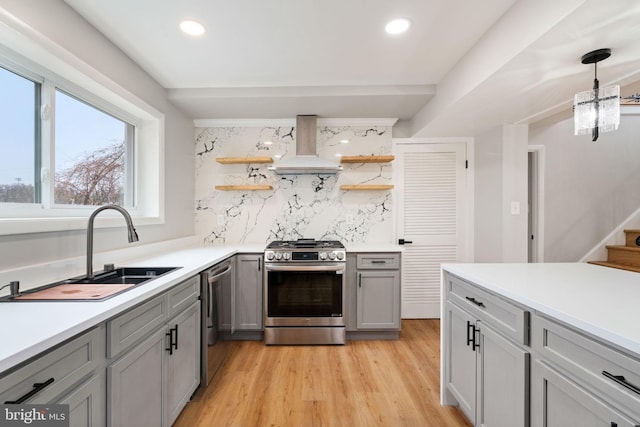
103, 285
125, 275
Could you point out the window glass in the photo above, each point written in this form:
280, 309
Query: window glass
18, 101
90, 150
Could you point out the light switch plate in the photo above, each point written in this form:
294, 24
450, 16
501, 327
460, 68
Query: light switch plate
515, 208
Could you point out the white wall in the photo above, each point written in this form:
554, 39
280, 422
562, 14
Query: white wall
500, 168
59, 24
590, 187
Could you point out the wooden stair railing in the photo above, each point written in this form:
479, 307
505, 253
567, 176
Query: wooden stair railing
624, 257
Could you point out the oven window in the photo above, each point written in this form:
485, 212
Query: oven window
304, 294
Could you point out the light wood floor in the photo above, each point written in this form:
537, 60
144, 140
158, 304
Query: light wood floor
364, 383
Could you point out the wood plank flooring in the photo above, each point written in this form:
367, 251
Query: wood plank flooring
364, 383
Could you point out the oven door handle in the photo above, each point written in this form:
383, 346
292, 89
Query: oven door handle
324, 267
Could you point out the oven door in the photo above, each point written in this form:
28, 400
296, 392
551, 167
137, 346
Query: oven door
301, 294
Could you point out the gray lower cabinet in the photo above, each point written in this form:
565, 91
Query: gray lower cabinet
182, 367
377, 291
578, 380
486, 371
134, 384
557, 401
248, 292
72, 373
150, 379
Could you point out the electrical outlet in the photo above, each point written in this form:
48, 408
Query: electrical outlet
220, 220
349, 219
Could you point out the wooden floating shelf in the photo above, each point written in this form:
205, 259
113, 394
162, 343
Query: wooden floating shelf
367, 159
239, 160
367, 187
243, 187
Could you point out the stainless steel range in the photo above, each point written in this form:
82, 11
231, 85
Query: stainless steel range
304, 292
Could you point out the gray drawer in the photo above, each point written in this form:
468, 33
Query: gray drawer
130, 327
509, 318
378, 261
181, 296
589, 361
63, 368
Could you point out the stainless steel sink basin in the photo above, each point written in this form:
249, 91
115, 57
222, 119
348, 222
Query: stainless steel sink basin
125, 275
103, 285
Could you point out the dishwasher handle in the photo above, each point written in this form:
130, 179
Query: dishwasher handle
212, 279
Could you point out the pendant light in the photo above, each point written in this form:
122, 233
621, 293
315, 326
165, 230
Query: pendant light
596, 110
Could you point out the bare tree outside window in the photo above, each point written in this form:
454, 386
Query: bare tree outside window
97, 178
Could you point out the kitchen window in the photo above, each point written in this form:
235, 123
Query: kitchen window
67, 147
18, 144
89, 150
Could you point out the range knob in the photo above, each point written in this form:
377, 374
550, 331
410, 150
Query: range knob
323, 255
278, 256
340, 256
332, 256
286, 256
270, 256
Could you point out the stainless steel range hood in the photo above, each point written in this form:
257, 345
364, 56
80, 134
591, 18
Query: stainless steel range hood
306, 160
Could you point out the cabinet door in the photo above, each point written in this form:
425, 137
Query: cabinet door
182, 367
87, 403
460, 359
378, 299
503, 398
557, 401
249, 292
134, 385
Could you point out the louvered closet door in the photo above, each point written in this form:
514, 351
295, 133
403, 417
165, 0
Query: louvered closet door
431, 216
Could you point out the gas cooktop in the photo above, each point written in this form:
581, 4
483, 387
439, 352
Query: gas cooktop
305, 243
305, 250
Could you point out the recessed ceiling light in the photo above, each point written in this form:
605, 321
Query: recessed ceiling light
192, 28
397, 26
344, 141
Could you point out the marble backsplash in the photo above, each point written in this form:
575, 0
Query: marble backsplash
298, 206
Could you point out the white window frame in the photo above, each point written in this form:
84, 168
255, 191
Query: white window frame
53, 67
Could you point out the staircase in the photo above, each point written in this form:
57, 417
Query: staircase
625, 257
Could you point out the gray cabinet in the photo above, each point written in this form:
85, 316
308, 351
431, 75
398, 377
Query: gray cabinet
153, 375
486, 370
134, 384
557, 401
72, 373
182, 367
377, 291
580, 381
248, 292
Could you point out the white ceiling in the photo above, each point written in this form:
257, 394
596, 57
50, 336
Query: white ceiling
463, 67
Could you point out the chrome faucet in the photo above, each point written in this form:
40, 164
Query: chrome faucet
14, 288
131, 233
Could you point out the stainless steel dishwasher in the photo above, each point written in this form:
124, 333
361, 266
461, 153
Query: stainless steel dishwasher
217, 317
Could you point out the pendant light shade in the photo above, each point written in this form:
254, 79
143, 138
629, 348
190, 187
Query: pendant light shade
596, 110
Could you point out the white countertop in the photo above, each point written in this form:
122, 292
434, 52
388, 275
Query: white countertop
602, 301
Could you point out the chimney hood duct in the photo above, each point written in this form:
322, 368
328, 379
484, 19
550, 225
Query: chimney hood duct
306, 160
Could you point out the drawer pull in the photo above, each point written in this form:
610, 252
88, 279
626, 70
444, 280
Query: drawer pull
475, 301
37, 387
378, 261
622, 381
